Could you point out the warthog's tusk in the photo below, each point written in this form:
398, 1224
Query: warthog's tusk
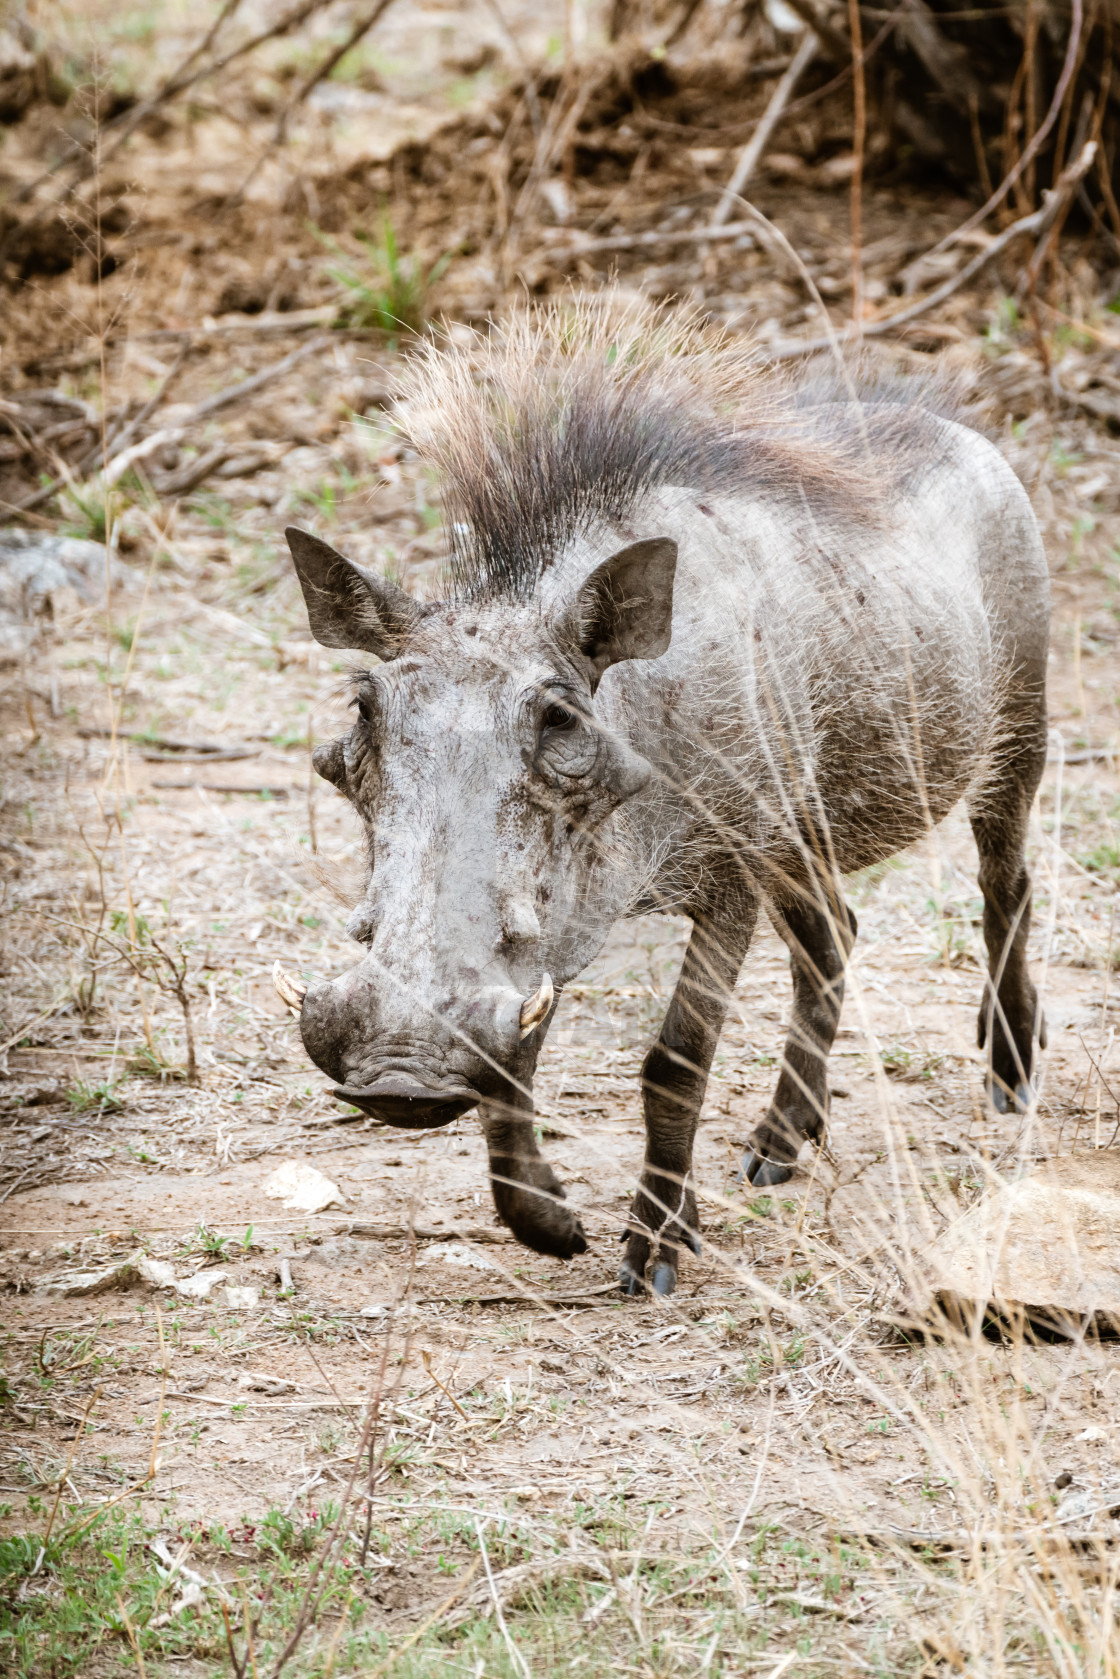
291, 990
535, 1008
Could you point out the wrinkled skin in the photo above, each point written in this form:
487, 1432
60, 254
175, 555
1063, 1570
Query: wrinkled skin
724, 707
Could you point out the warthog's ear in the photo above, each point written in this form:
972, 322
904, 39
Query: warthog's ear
346, 605
625, 609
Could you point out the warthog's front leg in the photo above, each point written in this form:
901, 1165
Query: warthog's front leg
527, 1193
675, 1074
820, 937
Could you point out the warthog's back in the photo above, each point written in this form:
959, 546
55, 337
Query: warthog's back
845, 670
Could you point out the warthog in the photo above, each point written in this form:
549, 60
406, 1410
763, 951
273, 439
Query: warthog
713, 640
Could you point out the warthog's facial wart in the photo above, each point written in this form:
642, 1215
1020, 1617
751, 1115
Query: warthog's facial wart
486, 782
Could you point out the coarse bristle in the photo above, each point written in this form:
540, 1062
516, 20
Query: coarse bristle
563, 417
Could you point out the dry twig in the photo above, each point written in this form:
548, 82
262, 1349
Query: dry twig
1028, 155
1035, 224
760, 139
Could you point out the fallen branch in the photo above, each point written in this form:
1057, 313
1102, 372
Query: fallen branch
585, 1297
326, 65
658, 236
201, 755
837, 43
222, 787
187, 477
121, 436
760, 139
430, 1233
245, 387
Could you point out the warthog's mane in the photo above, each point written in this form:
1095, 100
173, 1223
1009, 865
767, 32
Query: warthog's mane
561, 419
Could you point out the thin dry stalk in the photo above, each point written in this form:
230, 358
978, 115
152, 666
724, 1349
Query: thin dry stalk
332, 1648
326, 1561
859, 137
251, 1626
1026, 186
74, 1444
425, 1626
517, 1661
978, 143
153, 1461
238, 1663
312, 779
426, 1359
132, 1638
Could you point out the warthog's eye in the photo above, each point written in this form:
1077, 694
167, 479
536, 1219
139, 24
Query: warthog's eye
557, 719
365, 708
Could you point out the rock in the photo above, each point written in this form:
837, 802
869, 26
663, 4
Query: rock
199, 1286
245, 1299
38, 573
1086, 1503
1044, 1250
157, 1273
254, 1382
79, 1284
303, 1188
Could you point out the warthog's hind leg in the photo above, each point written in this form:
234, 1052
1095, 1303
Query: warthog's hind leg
820, 935
528, 1195
663, 1217
1010, 1021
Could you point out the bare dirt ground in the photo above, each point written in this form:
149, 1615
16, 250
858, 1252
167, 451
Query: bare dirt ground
484, 1462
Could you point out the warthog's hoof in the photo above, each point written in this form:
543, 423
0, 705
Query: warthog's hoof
662, 1282
761, 1173
1004, 1103
560, 1235
530, 1200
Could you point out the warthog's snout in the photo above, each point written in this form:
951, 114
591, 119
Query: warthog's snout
417, 1067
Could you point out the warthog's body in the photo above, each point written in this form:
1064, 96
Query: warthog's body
817, 626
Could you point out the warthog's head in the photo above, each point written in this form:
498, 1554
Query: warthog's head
483, 778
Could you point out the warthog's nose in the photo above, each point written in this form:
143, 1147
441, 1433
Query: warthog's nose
398, 1099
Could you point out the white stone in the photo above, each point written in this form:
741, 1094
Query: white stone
302, 1188
199, 1286
157, 1273
245, 1299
